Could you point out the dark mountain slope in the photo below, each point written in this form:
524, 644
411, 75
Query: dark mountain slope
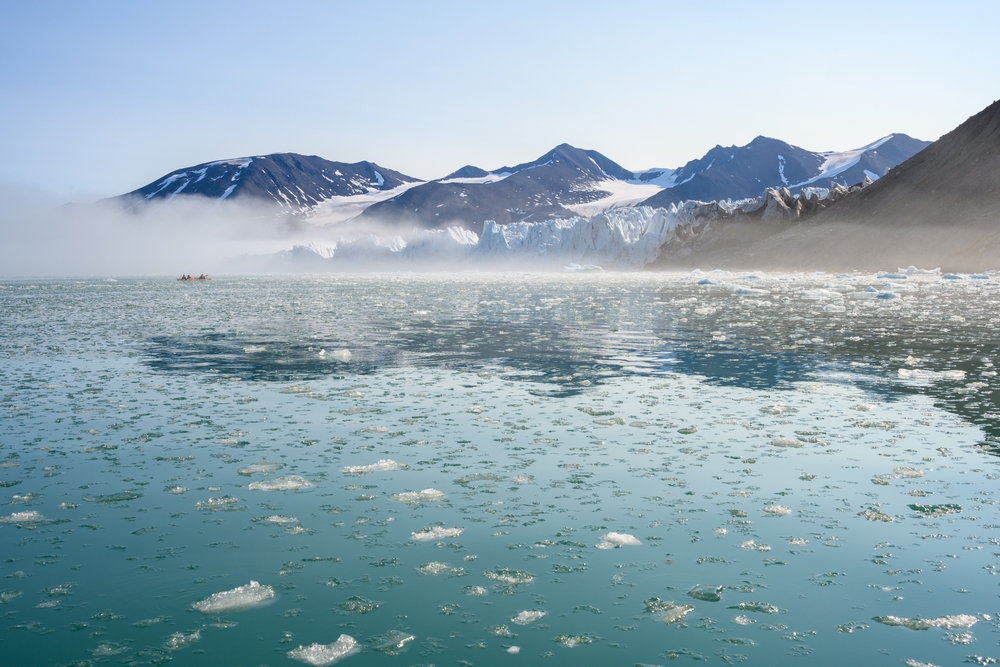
741, 172
940, 208
294, 182
532, 191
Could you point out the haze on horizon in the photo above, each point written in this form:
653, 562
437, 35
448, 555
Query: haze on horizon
102, 98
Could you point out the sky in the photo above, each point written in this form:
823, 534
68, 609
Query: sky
101, 98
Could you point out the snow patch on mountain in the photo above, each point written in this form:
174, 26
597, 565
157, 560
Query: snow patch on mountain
835, 163
620, 193
340, 208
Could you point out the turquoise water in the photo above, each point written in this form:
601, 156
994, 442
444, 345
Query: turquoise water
671, 472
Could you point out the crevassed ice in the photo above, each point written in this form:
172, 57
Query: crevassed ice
382, 465
528, 616
241, 597
414, 497
613, 540
325, 654
21, 517
435, 533
286, 483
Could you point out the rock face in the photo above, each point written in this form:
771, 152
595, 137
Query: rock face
939, 208
292, 182
737, 172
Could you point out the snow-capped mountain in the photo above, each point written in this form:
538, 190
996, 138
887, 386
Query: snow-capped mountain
564, 182
740, 172
297, 184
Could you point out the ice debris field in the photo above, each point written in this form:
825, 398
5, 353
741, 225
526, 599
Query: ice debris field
530, 469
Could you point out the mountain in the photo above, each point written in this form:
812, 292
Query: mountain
741, 172
937, 209
564, 182
295, 183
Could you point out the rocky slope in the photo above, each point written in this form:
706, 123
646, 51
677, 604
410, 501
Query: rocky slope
294, 183
940, 208
738, 172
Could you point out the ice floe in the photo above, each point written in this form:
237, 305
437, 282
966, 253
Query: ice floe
435, 533
613, 540
320, 655
286, 483
382, 465
239, 598
415, 497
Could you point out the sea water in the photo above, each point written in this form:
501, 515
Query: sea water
627, 469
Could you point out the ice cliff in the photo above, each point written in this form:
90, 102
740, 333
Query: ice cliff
622, 238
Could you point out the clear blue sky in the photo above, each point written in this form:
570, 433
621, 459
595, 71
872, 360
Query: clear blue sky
98, 98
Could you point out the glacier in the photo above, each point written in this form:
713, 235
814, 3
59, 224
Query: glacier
618, 238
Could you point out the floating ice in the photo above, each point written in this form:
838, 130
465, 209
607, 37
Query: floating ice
287, 483
340, 355
930, 376
525, 617
113, 498
932, 511
415, 497
751, 545
434, 568
574, 640
254, 349
223, 504
777, 510
506, 575
435, 533
357, 605
474, 590
321, 655
786, 442
946, 622
179, 640
382, 465
513, 650
522, 479
707, 592
22, 517
909, 473
873, 514
676, 613
917, 663
239, 598
759, 607
613, 540
279, 520
260, 467
391, 643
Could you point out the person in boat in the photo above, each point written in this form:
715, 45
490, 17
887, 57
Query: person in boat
202, 277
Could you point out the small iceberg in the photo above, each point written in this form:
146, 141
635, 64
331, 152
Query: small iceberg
614, 540
237, 599
382, 465
435, 533
321, 655
287, 483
